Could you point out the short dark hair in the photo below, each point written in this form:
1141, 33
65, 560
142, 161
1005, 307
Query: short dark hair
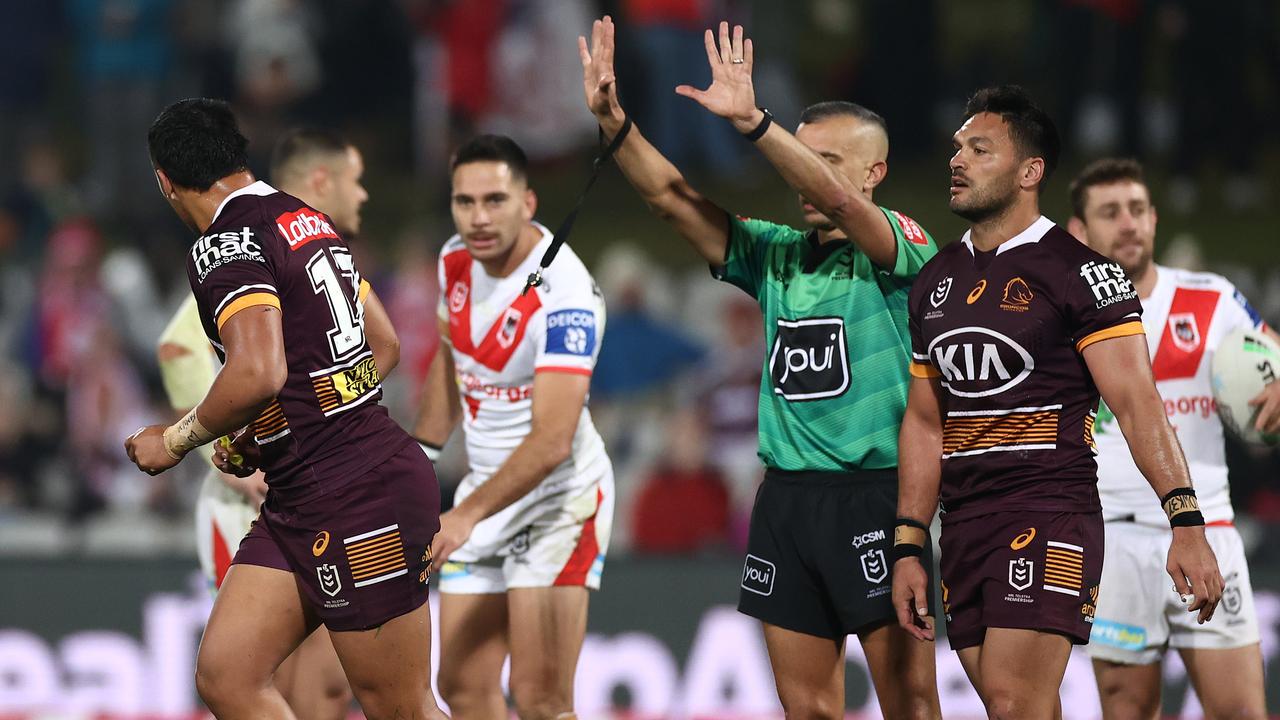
302, 142
196, 142
1030, 127
1103, 172
842, 108
492, 148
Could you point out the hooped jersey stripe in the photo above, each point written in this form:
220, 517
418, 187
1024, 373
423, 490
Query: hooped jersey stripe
924, 370
1133, 327
247, 301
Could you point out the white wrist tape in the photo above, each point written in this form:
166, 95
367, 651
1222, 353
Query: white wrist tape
185, 435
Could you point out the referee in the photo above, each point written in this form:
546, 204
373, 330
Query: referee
834, 386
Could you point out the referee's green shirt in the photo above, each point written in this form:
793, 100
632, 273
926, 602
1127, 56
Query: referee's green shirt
837, 348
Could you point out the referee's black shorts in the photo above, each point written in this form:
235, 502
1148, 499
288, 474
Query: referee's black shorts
819, 555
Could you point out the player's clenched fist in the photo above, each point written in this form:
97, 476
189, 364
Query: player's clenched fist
1194, 570
911, 598
146, 449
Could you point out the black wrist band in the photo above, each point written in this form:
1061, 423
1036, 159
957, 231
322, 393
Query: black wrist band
1190, 518
760, 129
1182, 508
906, 550
909, 538
622, 135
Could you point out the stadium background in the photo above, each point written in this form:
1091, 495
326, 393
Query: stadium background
100, 605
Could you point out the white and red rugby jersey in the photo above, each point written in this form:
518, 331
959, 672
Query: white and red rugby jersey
500, 339
1186, 317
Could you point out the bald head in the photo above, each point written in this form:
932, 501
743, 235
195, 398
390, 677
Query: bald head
868, 130
853, 139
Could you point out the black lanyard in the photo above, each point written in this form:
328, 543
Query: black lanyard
566, 225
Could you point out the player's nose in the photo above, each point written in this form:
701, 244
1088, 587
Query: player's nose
1128, 223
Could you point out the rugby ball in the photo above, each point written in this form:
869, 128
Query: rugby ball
1243, 364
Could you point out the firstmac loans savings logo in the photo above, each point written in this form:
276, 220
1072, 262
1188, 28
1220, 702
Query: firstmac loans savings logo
211, 252
1107, 282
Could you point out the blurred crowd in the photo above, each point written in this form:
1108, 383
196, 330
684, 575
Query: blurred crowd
91, 259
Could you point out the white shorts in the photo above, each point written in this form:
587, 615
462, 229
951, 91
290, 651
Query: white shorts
1139, 615
548, 545
222, 520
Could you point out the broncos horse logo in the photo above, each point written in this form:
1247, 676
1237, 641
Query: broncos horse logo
1017, 292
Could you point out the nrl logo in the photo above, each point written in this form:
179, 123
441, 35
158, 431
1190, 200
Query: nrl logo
1021, 573
330, 583
874, 567
940, 293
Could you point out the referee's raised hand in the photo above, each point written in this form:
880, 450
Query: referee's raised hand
598, 80
731, 94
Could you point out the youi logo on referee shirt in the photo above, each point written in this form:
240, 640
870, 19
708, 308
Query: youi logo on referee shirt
809, 359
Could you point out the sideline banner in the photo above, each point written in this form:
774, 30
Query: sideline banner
91, 637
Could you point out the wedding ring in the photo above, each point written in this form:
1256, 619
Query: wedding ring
738, 61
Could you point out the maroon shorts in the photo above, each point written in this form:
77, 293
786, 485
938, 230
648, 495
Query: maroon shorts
360, 553
1032, 570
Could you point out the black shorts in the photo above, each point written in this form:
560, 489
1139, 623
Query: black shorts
819, 557
360, 554
1027, 570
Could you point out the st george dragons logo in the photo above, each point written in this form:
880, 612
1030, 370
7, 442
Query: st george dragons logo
1185, 331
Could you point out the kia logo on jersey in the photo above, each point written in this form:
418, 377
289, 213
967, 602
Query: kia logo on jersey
1186, 333
809, 359
979, 362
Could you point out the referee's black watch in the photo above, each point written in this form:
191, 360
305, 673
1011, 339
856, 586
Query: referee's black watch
760, 129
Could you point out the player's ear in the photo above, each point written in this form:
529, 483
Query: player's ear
166, 185
321, 180
1076, 227
876, 175
1032, 172
530, 204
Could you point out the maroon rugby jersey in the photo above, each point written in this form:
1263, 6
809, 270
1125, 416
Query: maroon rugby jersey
1003, 330
265, 247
